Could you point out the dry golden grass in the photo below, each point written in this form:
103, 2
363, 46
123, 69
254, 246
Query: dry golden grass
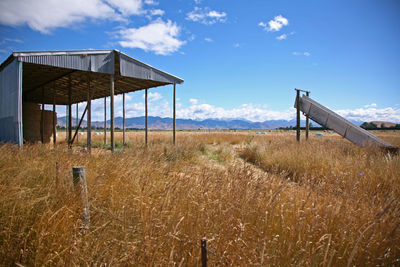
258, 199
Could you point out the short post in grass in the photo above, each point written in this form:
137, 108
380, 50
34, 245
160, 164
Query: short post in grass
204, 252
298, 115
79, 178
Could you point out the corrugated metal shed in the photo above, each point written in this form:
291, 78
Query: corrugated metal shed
340, 125
63, 78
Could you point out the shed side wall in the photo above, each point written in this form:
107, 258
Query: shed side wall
10, 103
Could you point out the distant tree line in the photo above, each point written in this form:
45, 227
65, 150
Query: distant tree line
373, 126
311, 127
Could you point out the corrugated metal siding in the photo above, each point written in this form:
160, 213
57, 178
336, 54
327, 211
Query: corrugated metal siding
130, 67
10, 103
340, 125
103, 63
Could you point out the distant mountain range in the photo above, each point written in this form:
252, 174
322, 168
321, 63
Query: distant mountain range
158, 123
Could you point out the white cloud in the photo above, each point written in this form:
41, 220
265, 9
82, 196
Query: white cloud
372, 114
153, 97
208, 39
245, 111
131, 7
151, 2
307, 54
156, 12
46, 15
158, 36
197, 2
206, 16
373, 105
275, 24
282, 37
9, 40
193, 101
236, 45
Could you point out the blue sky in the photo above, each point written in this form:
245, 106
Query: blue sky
239, 59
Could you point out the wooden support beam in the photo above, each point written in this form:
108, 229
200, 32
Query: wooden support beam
145, 118
90, 96
89, 116
298, 115
69, 113
123, 118
66, 123
54, 114
42, 119
174, 123
79, 124
105, 120
112, 112
307, 120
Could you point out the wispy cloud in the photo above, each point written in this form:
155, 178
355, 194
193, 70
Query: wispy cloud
156, 12
159, 37
10, 40
284, 36
206, 16
373, 105
208, 39
151, 2
193, 101
275, 24
307, 54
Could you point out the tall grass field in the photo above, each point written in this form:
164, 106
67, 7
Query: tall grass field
258, 199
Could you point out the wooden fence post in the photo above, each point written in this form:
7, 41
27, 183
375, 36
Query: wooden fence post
204, 252
79, 178
298, 115
307, 120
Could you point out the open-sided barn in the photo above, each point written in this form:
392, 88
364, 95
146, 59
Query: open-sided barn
66, 78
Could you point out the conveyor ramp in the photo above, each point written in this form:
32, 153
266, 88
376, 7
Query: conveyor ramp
340, 125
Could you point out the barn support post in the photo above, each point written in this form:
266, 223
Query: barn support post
54, 114
42, 119
89, 117
112, 113
123, 119
69, 112
307, 120
298, 115
77, 121
174, 115
145, 118
105, 120
66, 123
